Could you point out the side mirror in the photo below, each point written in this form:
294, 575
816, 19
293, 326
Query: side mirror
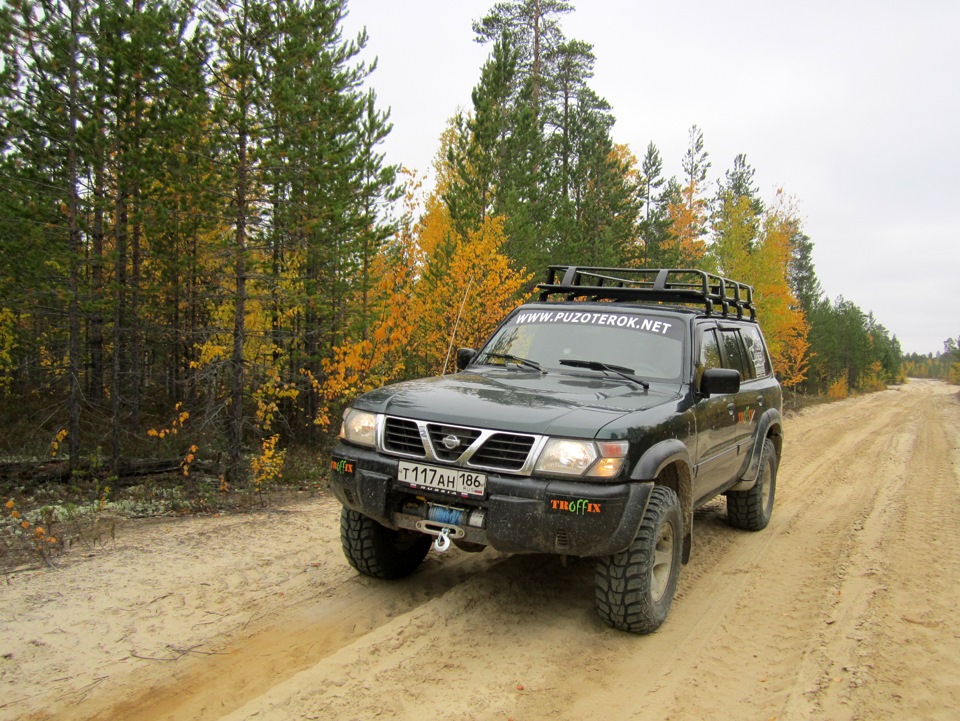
465, 357
719, 381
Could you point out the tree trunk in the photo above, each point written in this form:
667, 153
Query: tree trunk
235, 471
119, 315
73, 210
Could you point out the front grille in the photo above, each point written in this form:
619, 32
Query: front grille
505, 451
403, 436
464, 436
475, 447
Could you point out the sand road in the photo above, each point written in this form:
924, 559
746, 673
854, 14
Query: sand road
845, 607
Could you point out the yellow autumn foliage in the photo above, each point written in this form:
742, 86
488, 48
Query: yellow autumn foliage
8, 343
760, 256
465, 289
838, 389
685, 244
434, 292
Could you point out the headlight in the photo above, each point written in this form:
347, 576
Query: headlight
568, 457
359, 427
578, 458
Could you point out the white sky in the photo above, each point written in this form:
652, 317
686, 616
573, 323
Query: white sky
852, 107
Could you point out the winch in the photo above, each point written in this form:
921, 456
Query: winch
447, 523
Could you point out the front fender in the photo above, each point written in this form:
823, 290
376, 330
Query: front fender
659, 456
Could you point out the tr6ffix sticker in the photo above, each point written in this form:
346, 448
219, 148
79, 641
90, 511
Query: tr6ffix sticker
342, 465
576, 506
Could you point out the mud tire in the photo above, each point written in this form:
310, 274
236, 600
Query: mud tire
635, 588
378, 551
751, 510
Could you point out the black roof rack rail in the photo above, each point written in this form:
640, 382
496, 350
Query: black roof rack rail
651, 285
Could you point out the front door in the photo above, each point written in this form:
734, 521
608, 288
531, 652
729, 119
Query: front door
717, 458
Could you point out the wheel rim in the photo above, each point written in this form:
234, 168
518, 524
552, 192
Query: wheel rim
662, 562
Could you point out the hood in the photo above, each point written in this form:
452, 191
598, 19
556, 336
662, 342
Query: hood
516, 400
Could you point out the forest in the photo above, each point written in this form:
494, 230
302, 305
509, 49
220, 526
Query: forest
204, 255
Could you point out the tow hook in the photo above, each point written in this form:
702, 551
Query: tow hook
442, 542
445, 533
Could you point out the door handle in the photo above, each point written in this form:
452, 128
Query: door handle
731, 407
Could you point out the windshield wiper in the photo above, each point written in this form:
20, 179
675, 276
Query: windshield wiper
518, 360
625, 373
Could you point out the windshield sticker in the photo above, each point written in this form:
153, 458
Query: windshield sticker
614, 320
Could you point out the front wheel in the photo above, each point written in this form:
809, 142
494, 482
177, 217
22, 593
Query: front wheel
378, 551
751, 510
634, 588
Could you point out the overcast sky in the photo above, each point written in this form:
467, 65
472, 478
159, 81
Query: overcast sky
852, 107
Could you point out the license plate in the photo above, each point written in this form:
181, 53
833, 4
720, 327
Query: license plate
446, 480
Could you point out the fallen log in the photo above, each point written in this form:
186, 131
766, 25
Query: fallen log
58, 470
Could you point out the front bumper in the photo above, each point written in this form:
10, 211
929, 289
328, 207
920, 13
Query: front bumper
517, 515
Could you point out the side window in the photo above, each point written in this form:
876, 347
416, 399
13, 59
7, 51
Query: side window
756, 351
709, 351
734, 354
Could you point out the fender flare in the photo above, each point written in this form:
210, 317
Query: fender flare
769, 424
659, 456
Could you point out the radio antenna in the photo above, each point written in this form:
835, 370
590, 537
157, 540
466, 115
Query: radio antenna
456, 325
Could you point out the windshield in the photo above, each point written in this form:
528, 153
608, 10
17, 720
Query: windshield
650, 346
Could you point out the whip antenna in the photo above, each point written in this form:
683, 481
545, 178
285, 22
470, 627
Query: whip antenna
456, 324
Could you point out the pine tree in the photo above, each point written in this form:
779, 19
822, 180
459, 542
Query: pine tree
183, 210
533, 27
654, 224
736, 217
688, 214
738, 182
602, 190
43, 132
242, 31
802, 274
336, 197
476, 155
563, 189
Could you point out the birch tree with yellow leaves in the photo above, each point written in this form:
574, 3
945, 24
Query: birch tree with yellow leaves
753, 245
685, 246
436, 290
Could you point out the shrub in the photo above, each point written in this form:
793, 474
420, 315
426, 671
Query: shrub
838, 389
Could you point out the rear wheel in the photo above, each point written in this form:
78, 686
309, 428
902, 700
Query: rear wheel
378, 551
751, 510
634, 588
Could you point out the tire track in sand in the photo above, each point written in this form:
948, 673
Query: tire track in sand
248, 663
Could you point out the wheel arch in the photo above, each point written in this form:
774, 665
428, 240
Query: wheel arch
770, 425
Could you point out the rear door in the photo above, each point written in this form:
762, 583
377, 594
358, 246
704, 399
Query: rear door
746, 403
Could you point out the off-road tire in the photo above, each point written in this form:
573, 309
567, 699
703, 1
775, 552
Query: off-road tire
634, 588
378, 551
751, 510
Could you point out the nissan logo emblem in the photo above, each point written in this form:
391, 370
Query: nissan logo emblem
450, 442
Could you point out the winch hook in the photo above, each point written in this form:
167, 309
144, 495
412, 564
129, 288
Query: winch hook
441, 543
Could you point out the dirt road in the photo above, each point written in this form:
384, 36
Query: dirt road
845, 607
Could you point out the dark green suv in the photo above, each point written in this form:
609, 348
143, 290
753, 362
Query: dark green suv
592, 423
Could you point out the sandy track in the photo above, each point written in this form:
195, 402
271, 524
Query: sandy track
843, 608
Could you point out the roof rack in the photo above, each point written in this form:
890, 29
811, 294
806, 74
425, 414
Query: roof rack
652, 285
